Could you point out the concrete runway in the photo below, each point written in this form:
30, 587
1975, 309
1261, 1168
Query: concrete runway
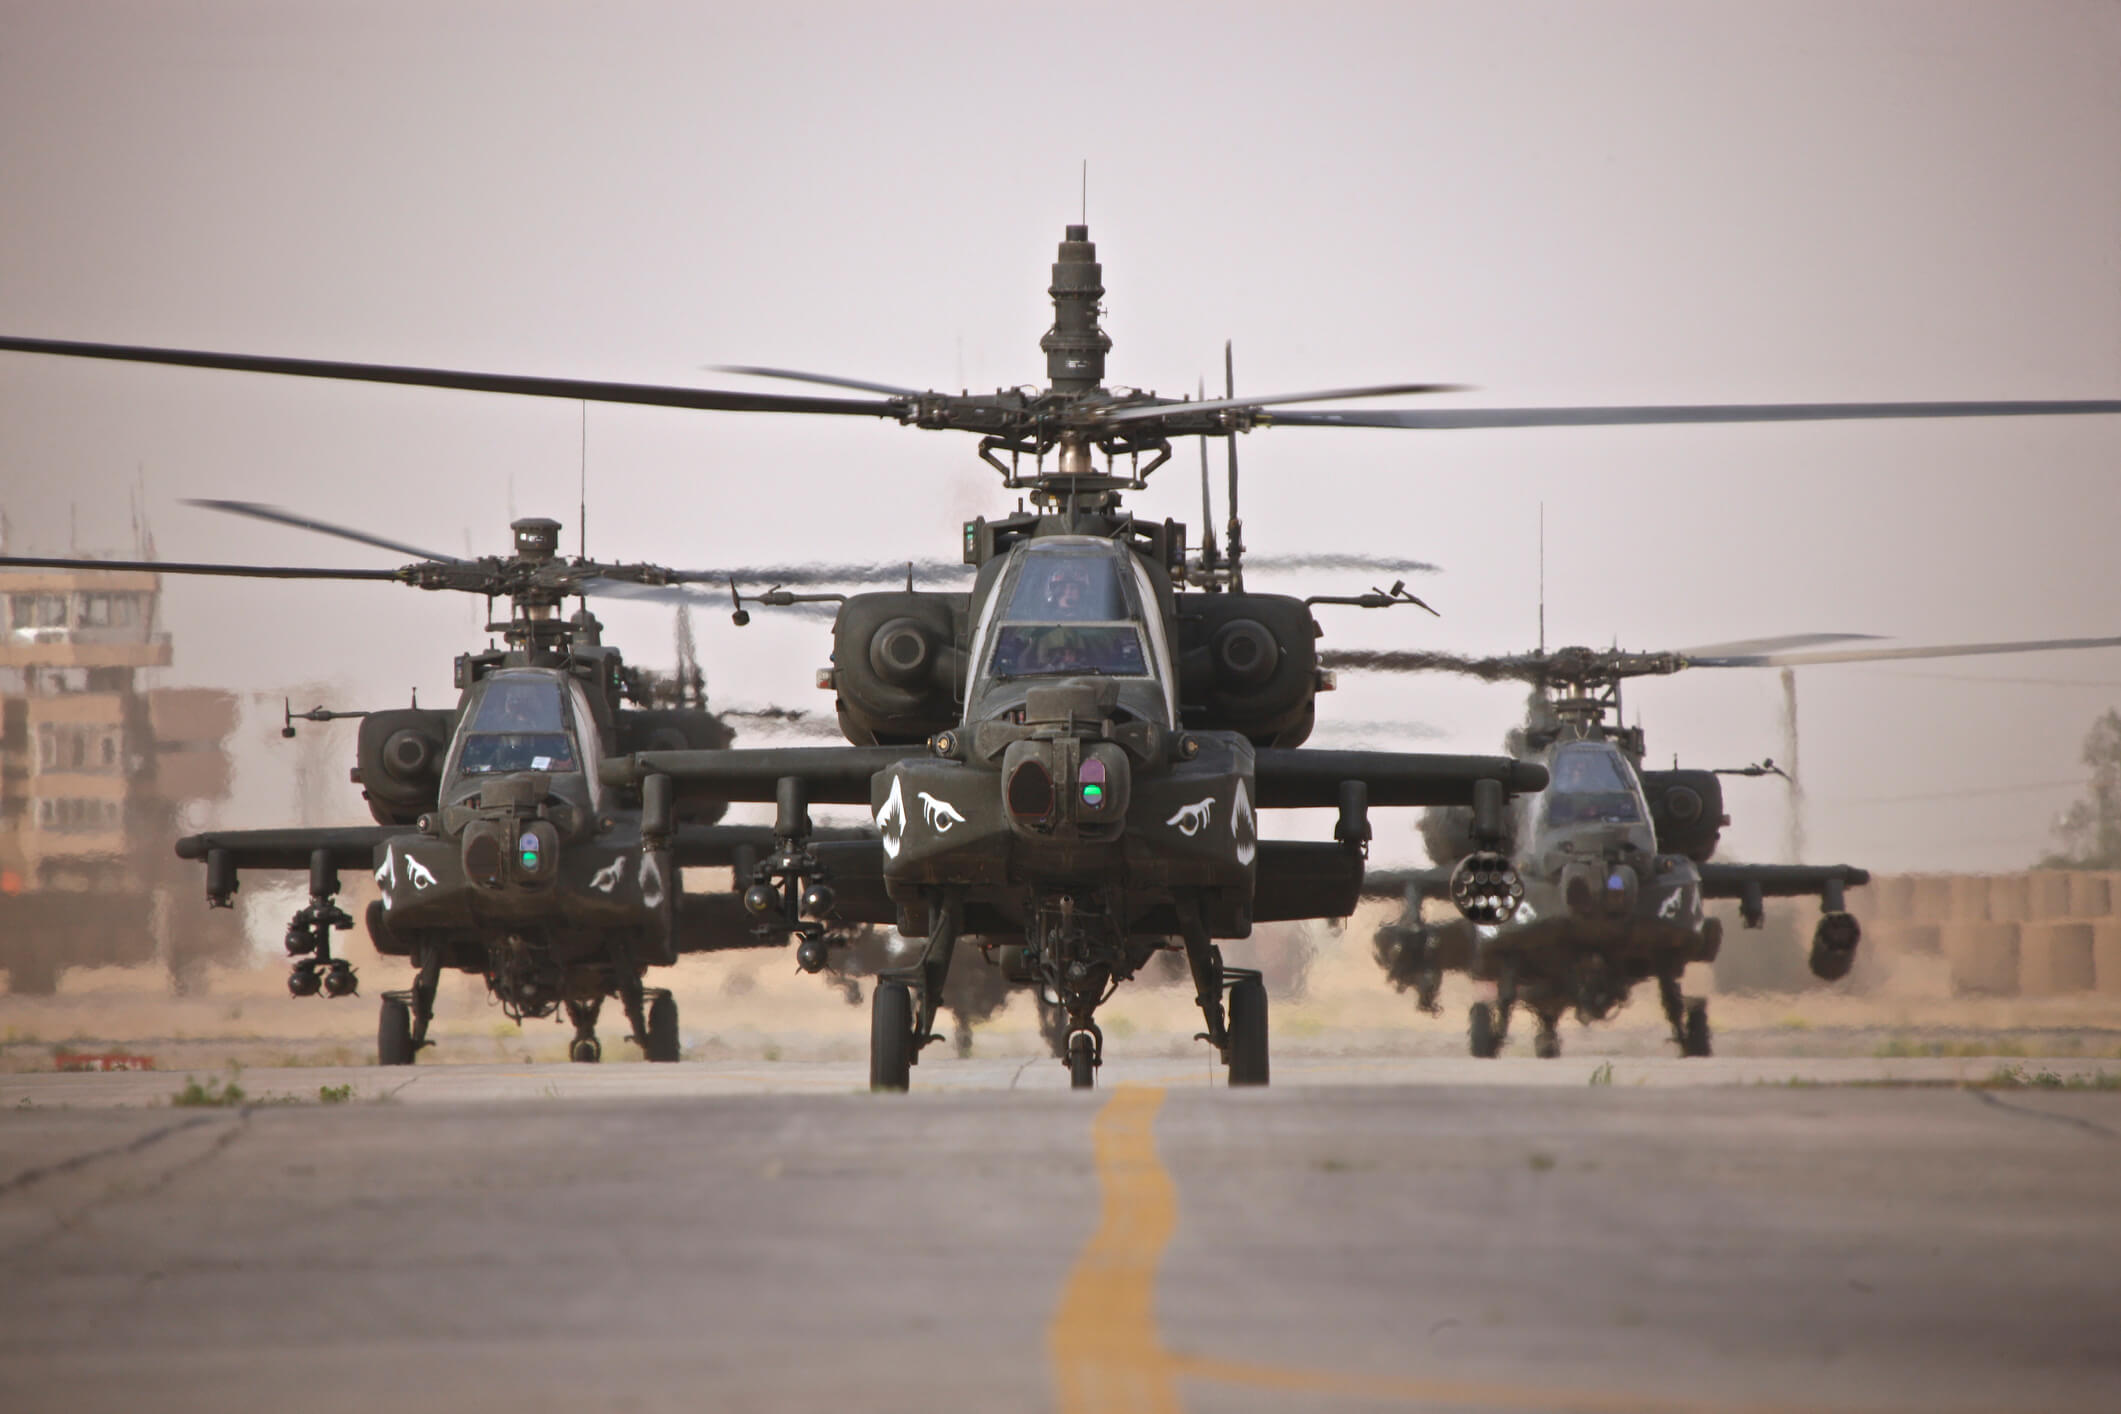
1365, 1235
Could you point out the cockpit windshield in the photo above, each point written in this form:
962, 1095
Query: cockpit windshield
1067, 586
1068, 616
521, 725
1591, 785
1035, 650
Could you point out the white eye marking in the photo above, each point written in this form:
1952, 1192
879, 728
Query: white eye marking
651, 882
1192, 819
422, 877
941, 813
607, 878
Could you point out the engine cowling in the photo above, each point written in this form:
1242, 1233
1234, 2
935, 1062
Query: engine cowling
398, 762
1248, 663
898, 665
1686, 807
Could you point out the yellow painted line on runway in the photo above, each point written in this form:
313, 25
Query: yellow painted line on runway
1108, 1355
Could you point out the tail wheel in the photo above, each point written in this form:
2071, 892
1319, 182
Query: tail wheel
1082, 1062
1248, 1032
1546, 1045
1694, 1031
1481, 1033
394, 1034
585, 1051
891, 1037
663, 1028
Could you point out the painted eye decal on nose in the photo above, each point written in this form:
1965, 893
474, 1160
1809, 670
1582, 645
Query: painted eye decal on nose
940, 814
1192, 819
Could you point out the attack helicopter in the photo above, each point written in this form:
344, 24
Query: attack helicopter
973, 719
1617, 860
497, 849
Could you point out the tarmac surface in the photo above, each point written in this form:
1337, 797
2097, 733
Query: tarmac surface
1372, 1234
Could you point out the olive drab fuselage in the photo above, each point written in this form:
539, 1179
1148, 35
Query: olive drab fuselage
1068, 769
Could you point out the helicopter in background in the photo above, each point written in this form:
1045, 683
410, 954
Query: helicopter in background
497, 849
1617, 860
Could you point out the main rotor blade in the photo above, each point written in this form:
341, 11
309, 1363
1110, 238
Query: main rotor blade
1460, 418
752, 370
1880, 655
33, 562
874, 572
1367, 564
1740, 646
1421, 661
359, 537
572, 389
1134, 413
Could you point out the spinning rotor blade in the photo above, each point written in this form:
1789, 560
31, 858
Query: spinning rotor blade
573, 389
1518, 667
1458, 418
33, 562
1740, 646
1880, 655
1149, 410
359, 537
750, 370
1326, 560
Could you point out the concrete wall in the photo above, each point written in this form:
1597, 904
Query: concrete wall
2049, 932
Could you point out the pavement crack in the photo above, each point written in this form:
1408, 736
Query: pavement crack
2099, 1129
131, 1146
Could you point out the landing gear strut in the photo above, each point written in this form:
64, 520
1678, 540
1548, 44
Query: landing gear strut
585, 1049
1241, 1039
401, 1032
1689, 1017
901, 1023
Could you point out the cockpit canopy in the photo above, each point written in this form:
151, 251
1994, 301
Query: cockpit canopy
1073, 606
525, 720
1590, 783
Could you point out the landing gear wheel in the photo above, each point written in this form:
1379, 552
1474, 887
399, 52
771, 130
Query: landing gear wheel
585, 1051
663, 1028
1248, 1032
394, 1034
891, 1037
1082, 1062
1694, 1031
1546, 1045
1481, 1032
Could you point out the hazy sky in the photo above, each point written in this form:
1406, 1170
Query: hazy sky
1555, 203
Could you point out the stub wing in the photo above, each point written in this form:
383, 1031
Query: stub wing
1412, 885
1298, 777
350, 846
1777, 880
835, 775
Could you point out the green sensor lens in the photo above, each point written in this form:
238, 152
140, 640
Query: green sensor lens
1093, 794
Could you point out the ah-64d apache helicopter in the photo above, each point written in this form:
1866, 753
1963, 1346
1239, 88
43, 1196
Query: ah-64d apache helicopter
1074, 790
497, 848
1616, 860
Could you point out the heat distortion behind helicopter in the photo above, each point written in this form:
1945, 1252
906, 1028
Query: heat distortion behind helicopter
1617, 860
